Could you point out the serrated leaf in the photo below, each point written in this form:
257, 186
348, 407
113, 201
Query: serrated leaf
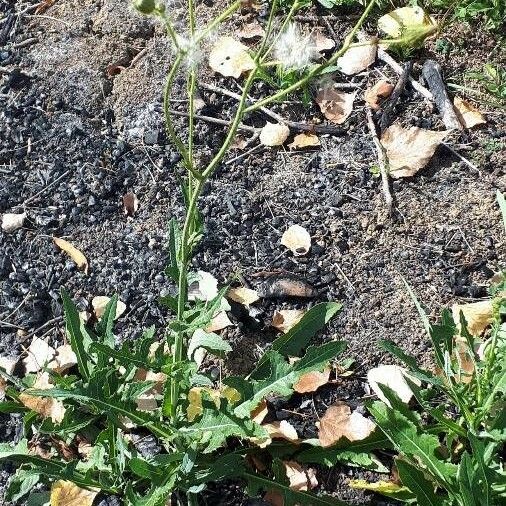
208, 340
282, 375
419, 447
299, 336
109, 406
258, 482
415, 480
106, 323
216, 425
80, 340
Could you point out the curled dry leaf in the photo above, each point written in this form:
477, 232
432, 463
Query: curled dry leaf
467, 114
285, 319
8, 365
11, 222
304, 141
47, 407
311, 381
299, 478
76, 255
274, 134
260, 412
379, 91
65, 359
39, 353
335, 105
243, 295
478, 315
357, 59
66, 493
409, 149
100, 302
130, 204
219, 322
251, 31
394, 377
230, 58
277, 430
285, 284
338, 422
322, 43
204, 288
297, 240
406, 20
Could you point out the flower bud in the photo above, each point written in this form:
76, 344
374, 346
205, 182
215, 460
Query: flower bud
145, 6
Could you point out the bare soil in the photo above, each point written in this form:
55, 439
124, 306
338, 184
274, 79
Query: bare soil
76, 135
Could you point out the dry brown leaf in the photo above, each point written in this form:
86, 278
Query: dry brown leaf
274, 498
130, 204
285, 319
467, 114
335, 105
251, 31
393, 377
219, 322
47, 407
100, 302
357, 59
297, 240
478, 315
338, 422
66, 493
41, 8
322, 43
281, 430
65, 359
299, 478
243, 295
379, 91
409, 149
274, 134
260, 412
278, 430
39, 354
76, 255
230, 58
304, 141
11, 222
239, 143
205, 288
311, 381
466, 362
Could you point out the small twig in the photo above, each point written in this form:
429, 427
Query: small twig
218, 121
462, 158
382, 161
25, 43
385, 57
137, 57
258, 147
33, 197
388, 108
42, 327
431, 72
302, 127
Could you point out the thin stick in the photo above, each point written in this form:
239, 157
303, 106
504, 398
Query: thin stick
33, 197
385, 57
388, 109
218, 121
382, 161
295, 125
458, 155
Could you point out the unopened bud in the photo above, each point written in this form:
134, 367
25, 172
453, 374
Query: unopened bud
145, 6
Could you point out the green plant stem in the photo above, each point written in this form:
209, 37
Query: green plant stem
217, 20
316, 70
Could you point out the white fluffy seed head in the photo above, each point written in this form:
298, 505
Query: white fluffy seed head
293, 49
